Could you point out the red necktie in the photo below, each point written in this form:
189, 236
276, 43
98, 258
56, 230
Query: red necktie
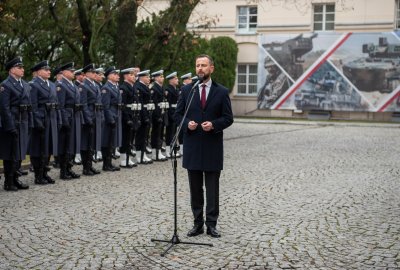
203, 97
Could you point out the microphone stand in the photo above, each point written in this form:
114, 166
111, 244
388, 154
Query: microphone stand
175, 238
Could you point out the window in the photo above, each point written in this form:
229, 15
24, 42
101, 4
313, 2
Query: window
247, 19
324, 17
397, 22
247, 79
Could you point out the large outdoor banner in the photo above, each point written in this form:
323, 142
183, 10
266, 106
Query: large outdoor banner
330, 71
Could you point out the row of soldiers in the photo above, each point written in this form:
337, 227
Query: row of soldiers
85, 117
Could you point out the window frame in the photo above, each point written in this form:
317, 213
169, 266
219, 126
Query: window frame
324, 14
247, 84
397, 15
247, 23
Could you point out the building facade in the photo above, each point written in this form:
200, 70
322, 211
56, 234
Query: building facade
246, 20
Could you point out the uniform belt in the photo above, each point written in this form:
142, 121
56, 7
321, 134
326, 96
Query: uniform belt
163, 105
97, 106
118, 106
48, 106
23, 107
76, 107
134, 106
149, 106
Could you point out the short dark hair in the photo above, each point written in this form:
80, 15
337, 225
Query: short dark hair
206, 56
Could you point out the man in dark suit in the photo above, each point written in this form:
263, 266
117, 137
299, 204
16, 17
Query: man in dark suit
208, 115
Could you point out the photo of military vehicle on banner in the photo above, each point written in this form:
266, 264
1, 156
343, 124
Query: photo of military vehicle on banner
329, 71
371, 61
326, 89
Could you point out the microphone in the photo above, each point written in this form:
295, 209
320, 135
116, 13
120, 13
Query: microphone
200, 79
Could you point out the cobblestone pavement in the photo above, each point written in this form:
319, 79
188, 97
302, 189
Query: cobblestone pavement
292, 196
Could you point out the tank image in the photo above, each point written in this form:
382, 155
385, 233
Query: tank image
289, 53
379, 71
326, 90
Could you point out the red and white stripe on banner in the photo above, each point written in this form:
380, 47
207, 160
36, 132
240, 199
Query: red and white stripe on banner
320, 61
394, 95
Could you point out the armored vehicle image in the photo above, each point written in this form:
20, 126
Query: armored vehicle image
327, 92
380, 71
289, 53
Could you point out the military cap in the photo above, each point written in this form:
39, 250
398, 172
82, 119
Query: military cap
78, 72
99, 70
157, 73
127, 70
110, 70
144, 73
41, 65
56, 71
16, 62
68, 66
186, 76
89, 68
195, 78
172, 75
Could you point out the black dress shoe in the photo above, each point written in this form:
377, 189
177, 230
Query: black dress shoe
41, 181
20, 185
115, 168
10, 188
94, 170
87, 172
73, 174
109, 168
65, 176
213, 232
49, 179
196, 230
21, 172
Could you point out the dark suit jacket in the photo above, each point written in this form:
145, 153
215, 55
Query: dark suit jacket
204, 150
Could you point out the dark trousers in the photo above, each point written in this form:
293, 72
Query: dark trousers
141, 139
128, 135
156, 134
211, 180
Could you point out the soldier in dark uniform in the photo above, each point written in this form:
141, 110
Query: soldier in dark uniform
56, 74
145, 97
130, 116
44, 136
79, 78
15, 113
186, 79
98, 79
112, 130
172, 94
158, 114
92, 115
71, 114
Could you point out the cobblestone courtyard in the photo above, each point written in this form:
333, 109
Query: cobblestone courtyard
292, 195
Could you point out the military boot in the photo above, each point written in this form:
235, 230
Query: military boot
18, 183
39, 179
9, 182
63, 168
